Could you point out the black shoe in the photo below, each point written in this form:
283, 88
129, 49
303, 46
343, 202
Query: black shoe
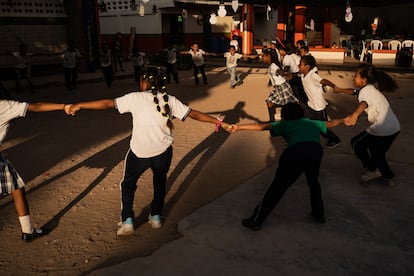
37, 233
251, 224
318, 218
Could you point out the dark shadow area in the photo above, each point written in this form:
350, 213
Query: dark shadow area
106, 159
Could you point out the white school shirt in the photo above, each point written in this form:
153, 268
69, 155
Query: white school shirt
150, 134
105, 58
313, 89
197, 57
231, 60
383, 120
138, 58
22, 60
171, 55
234, 43
8, 111
70, 58
275, 78
291, 61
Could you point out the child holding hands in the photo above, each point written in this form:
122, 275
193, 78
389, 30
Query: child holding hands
152, 112
371, 145
11, 182
302, 155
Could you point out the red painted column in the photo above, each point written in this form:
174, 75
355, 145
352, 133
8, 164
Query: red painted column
281, 22
300, 21
327, 34
247, 28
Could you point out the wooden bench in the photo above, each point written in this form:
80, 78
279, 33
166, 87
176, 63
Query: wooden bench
383, 57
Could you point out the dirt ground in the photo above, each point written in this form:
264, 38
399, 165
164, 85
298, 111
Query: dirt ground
73, 166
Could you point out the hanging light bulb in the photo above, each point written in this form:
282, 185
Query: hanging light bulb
235, 5
222, 11
213, 19
141, 10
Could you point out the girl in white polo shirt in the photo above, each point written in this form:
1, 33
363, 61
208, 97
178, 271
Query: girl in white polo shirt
371, 145
152, 112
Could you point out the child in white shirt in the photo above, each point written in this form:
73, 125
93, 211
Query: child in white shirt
312, 84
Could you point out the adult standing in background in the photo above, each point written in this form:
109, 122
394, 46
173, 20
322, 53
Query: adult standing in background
71, 58
117, 52
172, 69
22, 68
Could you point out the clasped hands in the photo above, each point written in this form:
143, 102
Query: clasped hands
71, 109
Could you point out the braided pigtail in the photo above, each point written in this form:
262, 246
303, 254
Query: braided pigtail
157, 81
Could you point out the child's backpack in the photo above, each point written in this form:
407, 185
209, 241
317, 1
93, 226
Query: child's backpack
404, 57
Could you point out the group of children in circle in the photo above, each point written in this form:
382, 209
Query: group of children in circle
299, 93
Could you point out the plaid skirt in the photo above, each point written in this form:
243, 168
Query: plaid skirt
10, 180
282, 94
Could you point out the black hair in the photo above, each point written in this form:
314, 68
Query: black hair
157, 80
274, 58
292, 111
382, 80
232, 46
309, 60
301, 43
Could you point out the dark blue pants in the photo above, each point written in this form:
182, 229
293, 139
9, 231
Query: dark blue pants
196, 70
295, 160
134, 168
71, 77
371, 151
172, 69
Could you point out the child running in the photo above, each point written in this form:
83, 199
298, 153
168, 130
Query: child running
10, 181
281, 93
231, 63
312, 84
302, 155
371, 145
151, 142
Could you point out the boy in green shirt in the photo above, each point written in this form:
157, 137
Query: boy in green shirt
302, 155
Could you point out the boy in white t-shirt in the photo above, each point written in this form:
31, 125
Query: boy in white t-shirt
231, 63
10, 181
151, 142
198, 62
313, 86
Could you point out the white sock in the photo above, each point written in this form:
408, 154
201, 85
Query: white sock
26, 224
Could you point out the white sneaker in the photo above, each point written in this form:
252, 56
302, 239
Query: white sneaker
370, 175
126, 227
155, 221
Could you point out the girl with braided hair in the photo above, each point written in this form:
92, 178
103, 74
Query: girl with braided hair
152, 112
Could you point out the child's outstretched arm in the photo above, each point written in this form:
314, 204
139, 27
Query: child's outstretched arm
100, 104
349, 91
202, 117
44, 107
352, 119
328, 83
257, 127
334, 123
